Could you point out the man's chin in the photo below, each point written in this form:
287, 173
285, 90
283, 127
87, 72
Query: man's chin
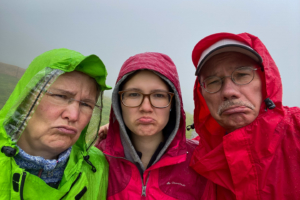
232, 123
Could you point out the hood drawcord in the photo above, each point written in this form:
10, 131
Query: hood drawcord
269, 104
8, 151
86, 158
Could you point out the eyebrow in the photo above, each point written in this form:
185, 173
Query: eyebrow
139, 90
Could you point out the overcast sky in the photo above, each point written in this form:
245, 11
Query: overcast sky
115, 30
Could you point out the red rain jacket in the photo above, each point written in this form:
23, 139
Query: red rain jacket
260, 160
170, 177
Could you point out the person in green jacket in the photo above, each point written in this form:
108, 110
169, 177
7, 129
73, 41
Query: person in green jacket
48, 127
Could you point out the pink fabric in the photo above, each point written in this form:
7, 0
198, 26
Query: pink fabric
169, 178
260, 160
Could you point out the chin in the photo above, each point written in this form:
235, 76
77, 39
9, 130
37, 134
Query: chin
233, 125
145, 132
59, 147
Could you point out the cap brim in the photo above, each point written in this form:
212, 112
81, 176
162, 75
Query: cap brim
229, 48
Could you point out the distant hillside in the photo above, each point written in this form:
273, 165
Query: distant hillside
7, 85
10, 74
11, 70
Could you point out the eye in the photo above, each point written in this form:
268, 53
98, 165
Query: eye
160, 95
132, 94
87, 105
59, 96
240, 74
212, 82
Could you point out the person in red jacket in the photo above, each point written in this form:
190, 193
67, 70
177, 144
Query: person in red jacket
250, 142
146, 147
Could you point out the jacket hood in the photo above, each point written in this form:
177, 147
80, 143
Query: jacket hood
118, 142
205, 124
38, 77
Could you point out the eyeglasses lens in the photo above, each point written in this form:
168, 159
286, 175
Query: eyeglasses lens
240, 76
157, 99
64, 100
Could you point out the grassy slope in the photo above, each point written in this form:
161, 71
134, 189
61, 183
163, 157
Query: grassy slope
8, 83
189, 121
105, 110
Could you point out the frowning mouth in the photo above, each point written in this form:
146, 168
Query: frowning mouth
66, 130
231, 107
145, 120
235, 110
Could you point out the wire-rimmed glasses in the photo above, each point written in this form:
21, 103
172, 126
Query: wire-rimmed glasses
240, 76
61, 98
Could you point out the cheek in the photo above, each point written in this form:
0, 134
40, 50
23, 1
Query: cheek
255, 96
83, 122
164, 116
126, 115
212, 103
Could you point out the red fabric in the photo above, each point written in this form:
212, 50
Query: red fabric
169, 178
260, 160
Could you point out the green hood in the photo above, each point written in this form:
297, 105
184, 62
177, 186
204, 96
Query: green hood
39, 76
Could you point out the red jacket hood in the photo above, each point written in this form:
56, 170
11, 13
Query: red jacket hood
205, 125
164, 66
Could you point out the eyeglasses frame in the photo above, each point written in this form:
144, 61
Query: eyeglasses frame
72, 99
144, 95
222, 79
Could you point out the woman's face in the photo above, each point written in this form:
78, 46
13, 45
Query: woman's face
145, 120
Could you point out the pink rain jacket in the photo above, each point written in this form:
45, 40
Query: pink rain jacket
170, 177
260, 160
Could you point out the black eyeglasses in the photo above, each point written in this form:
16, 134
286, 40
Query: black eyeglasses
158, 99
240, 76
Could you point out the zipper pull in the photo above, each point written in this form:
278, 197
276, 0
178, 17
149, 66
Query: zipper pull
86, 158
144, 191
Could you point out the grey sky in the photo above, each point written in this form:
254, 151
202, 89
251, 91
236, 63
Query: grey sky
115, 30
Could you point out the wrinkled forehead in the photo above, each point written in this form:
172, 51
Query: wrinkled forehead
76, 82
227, 61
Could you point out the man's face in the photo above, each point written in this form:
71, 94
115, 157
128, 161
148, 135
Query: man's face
53, 128
234, 106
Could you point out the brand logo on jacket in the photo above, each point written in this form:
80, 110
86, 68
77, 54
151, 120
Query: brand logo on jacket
174, 183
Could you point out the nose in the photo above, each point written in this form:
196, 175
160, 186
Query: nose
71, 111
146, 105
229, 90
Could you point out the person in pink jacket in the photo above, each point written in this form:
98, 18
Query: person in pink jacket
250, 142
146, 146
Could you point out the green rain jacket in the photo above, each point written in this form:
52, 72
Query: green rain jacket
86, 173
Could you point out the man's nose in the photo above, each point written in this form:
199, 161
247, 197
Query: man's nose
146, 105
229, 89
71, 111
